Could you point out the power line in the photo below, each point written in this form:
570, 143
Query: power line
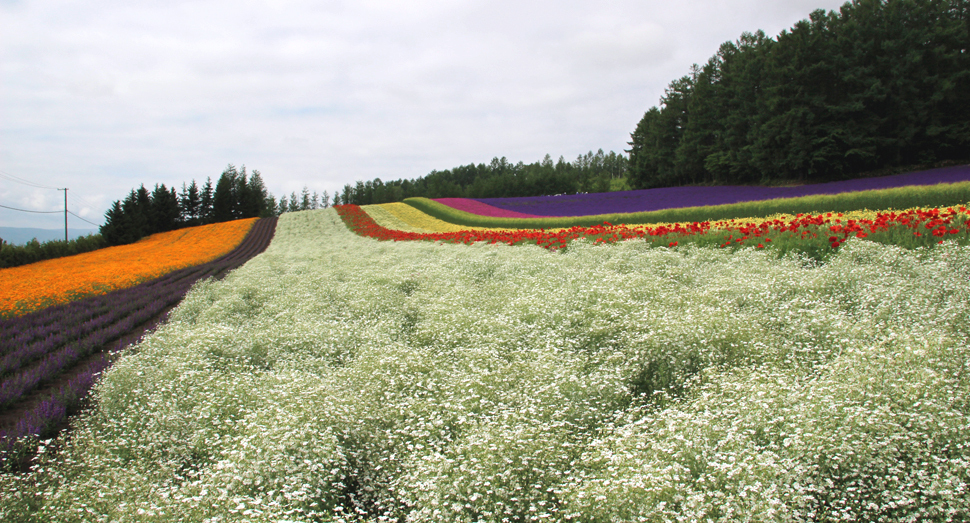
13, 178
81, 201
82, 219
78, 200
53, 212
25, 210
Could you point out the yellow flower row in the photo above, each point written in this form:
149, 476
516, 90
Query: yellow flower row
864, 214
403, 217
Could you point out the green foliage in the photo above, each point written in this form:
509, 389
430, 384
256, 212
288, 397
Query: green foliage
304, 202
144, 213
238, 196
34, 251
590, 172
878, 84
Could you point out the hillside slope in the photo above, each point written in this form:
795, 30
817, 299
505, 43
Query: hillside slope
336, 375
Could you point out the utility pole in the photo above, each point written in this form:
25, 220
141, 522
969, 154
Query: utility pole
65, 213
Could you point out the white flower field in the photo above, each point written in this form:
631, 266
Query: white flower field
339, 378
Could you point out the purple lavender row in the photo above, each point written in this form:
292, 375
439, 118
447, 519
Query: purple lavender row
49, 339
16, 331
675, 197
13, 388
134, 306
29, 327
48, 415
137, 309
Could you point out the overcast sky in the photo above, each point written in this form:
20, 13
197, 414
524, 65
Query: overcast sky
103, 96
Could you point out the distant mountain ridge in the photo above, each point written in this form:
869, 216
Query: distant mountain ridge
22, 235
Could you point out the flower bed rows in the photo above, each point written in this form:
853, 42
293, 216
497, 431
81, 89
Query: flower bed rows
907, 228
673, 197
403, 217
481, 208
38, 349
40, 285
336, 378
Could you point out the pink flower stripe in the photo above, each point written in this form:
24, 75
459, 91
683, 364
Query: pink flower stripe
482, 209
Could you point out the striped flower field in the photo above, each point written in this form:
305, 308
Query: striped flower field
816, 235
339, 378
646, 200
776, 367
40, 285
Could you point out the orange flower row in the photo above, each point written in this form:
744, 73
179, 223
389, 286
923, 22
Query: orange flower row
38, 285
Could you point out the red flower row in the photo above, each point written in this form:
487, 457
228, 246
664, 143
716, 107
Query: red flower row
805, 226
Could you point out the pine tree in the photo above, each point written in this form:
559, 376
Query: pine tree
205, 202
225, 201
164, 210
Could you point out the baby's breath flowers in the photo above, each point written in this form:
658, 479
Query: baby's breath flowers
340, 378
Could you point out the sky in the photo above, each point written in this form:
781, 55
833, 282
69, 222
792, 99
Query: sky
101, 97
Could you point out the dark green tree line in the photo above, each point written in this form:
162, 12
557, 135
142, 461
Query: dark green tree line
591, 172
35, 251
879, 84
304, 201
236, 195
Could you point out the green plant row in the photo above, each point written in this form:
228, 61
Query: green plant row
939, 195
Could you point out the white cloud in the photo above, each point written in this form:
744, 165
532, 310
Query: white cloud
102, 96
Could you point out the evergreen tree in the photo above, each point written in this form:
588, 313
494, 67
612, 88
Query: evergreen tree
305, 199
269, 207
206, 213
347, 197
164, 211
115, 227
139, 209
256, 202
880, 83
142, 213
190, 204
225, 200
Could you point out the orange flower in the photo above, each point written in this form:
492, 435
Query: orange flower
38, 285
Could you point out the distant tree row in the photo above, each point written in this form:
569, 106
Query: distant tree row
145, 212
303, 202
881, 83
592, 172
35, 251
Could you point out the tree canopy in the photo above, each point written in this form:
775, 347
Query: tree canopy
881, 83
143, 212
590, 172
